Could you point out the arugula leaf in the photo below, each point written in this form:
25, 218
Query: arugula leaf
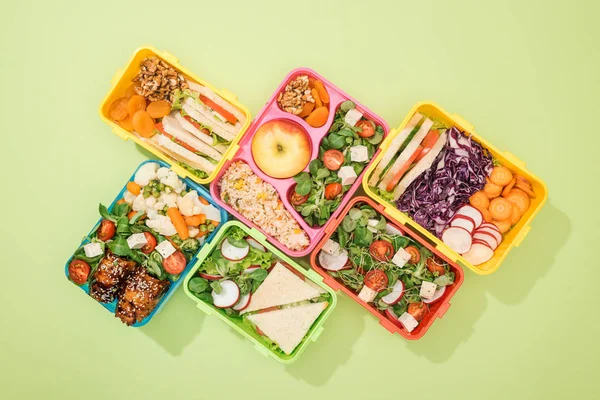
105, 214
123, 226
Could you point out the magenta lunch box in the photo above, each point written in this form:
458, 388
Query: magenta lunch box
271, 111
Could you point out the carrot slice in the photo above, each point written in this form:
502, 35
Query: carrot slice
131, 214
323, 95
226, 114
315, 95
504, 225
509, 187
501, 176
479, 200
487, 215
195, 220
492, 190
122, 201
403, 170
501, 209
515, 216
179, 222
203, 200
520, 199
134, 188
215, 223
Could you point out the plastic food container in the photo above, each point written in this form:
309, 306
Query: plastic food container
236, 323
121, 81
174, 285
284, 187
436, 310
512, 238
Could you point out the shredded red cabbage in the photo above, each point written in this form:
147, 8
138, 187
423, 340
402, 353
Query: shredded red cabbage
457, 172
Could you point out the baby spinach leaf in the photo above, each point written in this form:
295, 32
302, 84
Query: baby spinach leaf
348, 224
314, 166
259, 275
336, 141
376, 138
105, 214
302, 177
237, 242
347, 105
363, 236
322, 173
121, 210
119, 247
347, 132
206, 297
355, 213
303, 188
198, 285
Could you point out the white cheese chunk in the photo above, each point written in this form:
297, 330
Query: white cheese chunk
347, 175
353, 116
136, 241
212, 213
401, 257
92, 250
359, 153
367, 294
165, 249
331, 247
408, 321
427, 290
372, 229
392, 230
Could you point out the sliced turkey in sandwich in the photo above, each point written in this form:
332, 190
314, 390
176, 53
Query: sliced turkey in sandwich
281, 287
288, 326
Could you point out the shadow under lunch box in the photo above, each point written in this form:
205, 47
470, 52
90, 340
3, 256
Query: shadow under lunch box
285, 187
174, 285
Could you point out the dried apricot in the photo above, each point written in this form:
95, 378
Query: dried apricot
306, 109
118, 109
126, 124
322, 92
130, 91
318, 117
143, 123
158, 109
311, 82
135, 104
315, 95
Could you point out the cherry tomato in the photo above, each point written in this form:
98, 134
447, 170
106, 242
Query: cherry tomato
150, 243
333, 159
381, 250
376, 279
333, 190
79, 271
434, 267
297, 199
415, 255
368, 128
417, 310
107, 230
175, 263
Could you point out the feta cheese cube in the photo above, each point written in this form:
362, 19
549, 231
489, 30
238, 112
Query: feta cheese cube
165, 249
353, 116
136, 241
367, 294
359, 153
427, 290
347, 175
93, 250
401, 257
212, 213
331, 247
408, 321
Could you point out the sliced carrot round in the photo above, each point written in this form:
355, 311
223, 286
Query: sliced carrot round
487, 215
492, 190
500, 208
504, 225
515, 216
509, 187
501, 176
520, 199
479, 200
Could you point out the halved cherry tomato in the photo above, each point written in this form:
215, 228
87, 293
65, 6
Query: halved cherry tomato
376, 280
415, 255
434, 267
333, 190
107, 230
175, 263
381, 250
79, 271
427, 143
417, 310
150, 243
297, 199
368, 128
333, 159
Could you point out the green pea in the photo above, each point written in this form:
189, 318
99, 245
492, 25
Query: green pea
202, 228
146, 195
161, 186
211, 228
156, 194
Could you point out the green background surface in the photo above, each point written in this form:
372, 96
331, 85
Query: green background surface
524, 73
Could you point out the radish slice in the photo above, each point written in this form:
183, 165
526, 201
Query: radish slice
471, 212
479, 254
392, 230
333, 263
242, 302
393, 317
395, 295
209, 277
439, 292
228, 296
494, 232
488, 225
251, 269
463, 222
233, 253
252, 242
458, 239
486, 237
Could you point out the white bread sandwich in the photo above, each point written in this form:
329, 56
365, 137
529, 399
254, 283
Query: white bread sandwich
180, 153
